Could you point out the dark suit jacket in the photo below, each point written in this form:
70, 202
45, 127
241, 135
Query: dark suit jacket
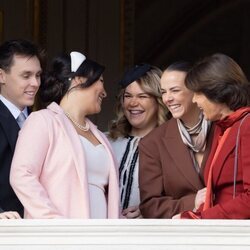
8, 137
168, 181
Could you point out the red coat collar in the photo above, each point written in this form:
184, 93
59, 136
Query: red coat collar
232, 118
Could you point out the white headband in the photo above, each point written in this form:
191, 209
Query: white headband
77, 59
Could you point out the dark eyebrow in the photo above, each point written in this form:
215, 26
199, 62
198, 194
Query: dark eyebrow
141, 93
174, 87
31, 72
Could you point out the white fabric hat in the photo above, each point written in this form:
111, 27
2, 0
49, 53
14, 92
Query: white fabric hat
77, 59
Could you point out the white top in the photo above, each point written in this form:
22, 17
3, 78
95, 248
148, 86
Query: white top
126, 153
98, 166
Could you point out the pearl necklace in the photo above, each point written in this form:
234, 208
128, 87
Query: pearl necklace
81, 127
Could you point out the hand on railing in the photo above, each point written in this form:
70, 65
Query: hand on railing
10, 215
132, 213
199, 198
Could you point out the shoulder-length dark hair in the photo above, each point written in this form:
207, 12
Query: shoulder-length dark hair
221, 80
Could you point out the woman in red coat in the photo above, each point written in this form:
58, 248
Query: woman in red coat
221, 90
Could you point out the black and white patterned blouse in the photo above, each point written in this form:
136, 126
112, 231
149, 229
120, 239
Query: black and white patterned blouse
126, 153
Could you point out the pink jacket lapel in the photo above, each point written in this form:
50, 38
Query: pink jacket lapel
76, 149
78, 154
113, 188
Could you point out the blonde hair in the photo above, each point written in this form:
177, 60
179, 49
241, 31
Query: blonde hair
150, 83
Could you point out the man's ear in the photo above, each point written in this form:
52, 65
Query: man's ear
2, 76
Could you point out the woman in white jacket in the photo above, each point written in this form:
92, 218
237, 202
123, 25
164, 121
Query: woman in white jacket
139, 110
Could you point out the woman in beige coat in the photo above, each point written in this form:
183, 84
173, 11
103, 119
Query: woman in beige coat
172, 156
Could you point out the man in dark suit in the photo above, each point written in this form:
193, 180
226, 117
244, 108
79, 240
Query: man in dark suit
20, 73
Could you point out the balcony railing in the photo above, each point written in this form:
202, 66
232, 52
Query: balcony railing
125, 234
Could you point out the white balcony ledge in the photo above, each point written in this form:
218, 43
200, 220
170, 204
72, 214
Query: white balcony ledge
125, 234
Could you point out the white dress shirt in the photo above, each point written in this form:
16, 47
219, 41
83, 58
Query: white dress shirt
14, 110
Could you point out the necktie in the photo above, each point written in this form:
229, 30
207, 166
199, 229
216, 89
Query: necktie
21, 119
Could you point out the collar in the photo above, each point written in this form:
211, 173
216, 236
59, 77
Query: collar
229, 120
54, 107
14, 110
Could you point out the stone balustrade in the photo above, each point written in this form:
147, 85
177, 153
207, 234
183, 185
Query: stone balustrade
125, 234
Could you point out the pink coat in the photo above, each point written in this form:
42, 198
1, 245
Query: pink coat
48, 171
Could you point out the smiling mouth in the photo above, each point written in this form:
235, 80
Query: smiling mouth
30, 93
136, 112
174, 106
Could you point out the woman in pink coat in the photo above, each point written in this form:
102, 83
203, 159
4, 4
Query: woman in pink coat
63, 166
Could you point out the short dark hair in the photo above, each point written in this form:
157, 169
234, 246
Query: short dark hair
221, 80
183, 66
17, 47
56, 82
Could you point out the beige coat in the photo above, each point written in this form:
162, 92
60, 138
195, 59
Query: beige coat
168, 181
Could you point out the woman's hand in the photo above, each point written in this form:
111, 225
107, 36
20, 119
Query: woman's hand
200, 198
177, 216
132, 213
10, 215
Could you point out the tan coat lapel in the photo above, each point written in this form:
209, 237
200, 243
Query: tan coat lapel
180, 155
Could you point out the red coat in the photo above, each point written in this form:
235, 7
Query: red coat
224, 205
